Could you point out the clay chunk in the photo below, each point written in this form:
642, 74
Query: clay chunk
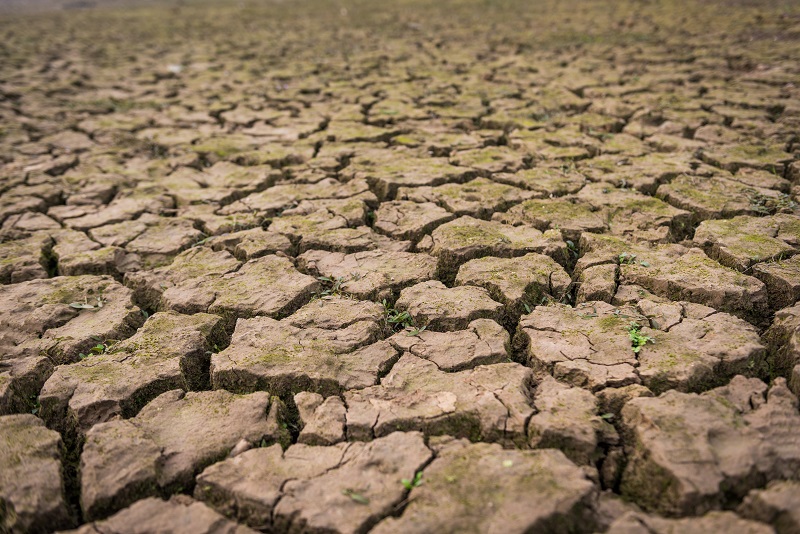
481, 487
31, 483
169, 442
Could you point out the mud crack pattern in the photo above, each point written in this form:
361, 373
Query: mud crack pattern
398, 267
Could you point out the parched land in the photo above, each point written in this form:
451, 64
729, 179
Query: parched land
398, 267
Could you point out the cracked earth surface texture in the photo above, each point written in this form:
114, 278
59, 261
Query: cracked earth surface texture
399, 267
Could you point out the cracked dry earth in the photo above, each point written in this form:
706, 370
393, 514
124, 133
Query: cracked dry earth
348, 267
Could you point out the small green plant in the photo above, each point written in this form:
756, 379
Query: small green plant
101, 348
395, 318
413, 331
768, 205
333, 286
401, 320
355, 496
626, 258
415, 482
573, 250
202, 241
637, 339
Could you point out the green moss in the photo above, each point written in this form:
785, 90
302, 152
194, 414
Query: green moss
650, 205
612, 323
768, 155
221, 147
485, 156
563, 210
71, 290
649, 485
697, 267
276, 355
406, 140
470, 235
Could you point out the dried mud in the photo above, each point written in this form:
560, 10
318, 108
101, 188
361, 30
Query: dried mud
357, 267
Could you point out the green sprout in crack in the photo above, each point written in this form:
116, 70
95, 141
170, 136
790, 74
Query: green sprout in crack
396, 318
413, 331
101, 348
637, 339
767, 204
626, 258
415, 482
333, 286
401, 320
573, 250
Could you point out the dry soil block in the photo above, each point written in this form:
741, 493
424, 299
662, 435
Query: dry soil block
692, 347
639, 523
518, 283
545, 181
482, 342
387, 171
768, 157
689, 453
643, 173
25, 259
635, 216
322, 420
566, 215
198, 263
675, 272
345, 488
327, 347
126, 206
484, 488
487, 403
467, 238
179, 515
171, 351
248, 244
370, 275
274, 200
567, 419
782, 279
778, 504
441, 308
402, 219
31, 485
783, 341
714, 197
163, 239
744, 241
697, 278
169, 442
479, 198
223, 183
323, 230
269, 285
39, 328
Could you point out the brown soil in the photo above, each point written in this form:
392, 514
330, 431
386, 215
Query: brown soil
410, 266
